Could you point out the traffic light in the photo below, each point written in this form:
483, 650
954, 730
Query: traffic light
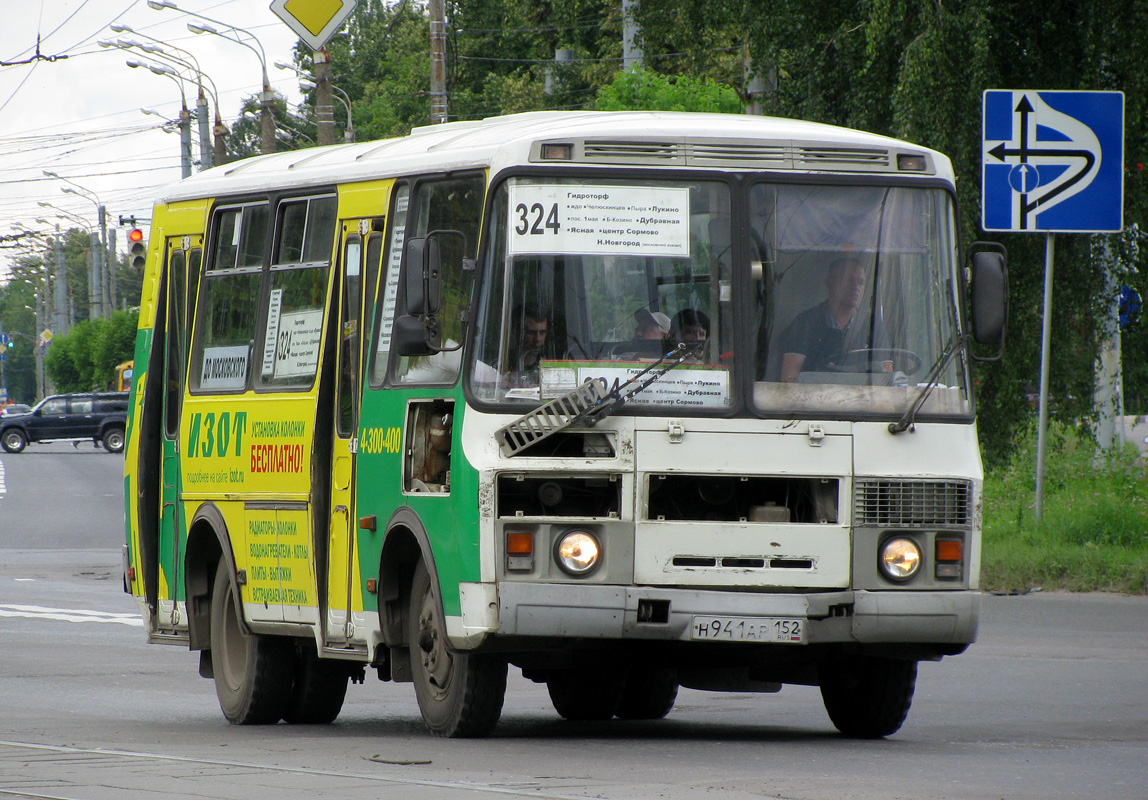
138, 249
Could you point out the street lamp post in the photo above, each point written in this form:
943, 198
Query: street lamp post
184, 115
267, 98
185, 58
60, 286
101, 300
93, 252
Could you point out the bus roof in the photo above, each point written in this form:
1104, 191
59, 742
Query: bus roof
617, 138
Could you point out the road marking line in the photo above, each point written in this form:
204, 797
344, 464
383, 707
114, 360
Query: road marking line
69, 614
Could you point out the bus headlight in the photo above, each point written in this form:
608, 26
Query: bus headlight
577, 552
900, 558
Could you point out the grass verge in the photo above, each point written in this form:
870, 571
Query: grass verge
1094, 536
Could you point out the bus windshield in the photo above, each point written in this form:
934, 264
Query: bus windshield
854, 303
850, 301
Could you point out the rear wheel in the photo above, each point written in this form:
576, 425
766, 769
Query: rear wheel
583, 694
253, 673
460, 694
648, 694
13, 440
867, 697
114, 440
319, 690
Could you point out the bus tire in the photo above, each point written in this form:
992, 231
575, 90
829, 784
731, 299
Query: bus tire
648, 694
13, 440
113, 440
585, 694
253, 674
459, 694
319, 690
867, 697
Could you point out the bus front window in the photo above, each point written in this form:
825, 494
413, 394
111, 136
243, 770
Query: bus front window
598, 279
854, 299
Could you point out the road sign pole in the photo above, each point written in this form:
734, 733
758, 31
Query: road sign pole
1045, 349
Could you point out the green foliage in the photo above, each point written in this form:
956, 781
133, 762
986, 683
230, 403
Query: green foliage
1094, 534
642, 90
907, 68
85, 358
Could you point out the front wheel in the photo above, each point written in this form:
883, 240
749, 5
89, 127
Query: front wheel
253, 674
13, 440
460, 694
114, 440
867, 697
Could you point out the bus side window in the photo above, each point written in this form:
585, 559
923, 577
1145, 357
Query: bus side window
225, 332
454, 207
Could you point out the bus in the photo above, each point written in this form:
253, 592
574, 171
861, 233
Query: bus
123, 379
629, 401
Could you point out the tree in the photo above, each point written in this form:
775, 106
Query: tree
85, 358
644, 90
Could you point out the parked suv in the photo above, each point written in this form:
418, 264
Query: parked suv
99, 416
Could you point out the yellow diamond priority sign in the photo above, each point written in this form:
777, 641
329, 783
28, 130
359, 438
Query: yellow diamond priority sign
314, 21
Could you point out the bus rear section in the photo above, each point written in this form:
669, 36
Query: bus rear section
631, 402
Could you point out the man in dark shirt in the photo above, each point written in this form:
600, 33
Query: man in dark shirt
818, 338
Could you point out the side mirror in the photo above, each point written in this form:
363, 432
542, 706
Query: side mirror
415, 336
423, 278
989, 295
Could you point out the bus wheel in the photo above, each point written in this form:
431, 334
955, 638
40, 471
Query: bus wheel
581, 694
867, 697
319, 690
114, 440
253, 674
460, 694
13, 440
649, 694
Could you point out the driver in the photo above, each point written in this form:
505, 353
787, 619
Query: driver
819, 338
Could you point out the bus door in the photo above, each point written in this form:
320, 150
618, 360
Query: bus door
183, 254
360, 251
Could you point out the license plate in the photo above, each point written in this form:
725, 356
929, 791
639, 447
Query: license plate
787, 630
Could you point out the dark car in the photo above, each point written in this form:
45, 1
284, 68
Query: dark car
99, 416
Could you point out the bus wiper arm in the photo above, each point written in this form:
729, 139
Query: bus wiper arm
951, 349
589, 403
620, 394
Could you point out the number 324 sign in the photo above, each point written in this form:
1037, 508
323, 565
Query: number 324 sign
599, 220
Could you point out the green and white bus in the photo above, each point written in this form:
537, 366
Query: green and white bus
629, 401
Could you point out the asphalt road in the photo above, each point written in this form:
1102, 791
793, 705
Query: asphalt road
1052, 702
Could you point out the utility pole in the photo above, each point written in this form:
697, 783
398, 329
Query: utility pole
102, 262
60, 289
438, 109
324, 102
632, 55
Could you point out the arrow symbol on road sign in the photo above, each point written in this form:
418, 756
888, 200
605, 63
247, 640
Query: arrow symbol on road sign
1024, 152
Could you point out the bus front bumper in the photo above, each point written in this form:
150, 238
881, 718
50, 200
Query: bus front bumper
651, 613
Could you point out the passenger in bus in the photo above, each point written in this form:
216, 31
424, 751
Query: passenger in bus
530, 328
820, 337
691, 327
652, 325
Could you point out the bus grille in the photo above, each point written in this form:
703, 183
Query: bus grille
911, 504
759, 155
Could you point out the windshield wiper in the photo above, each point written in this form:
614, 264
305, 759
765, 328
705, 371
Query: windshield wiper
620, 394
951, 349
590, 403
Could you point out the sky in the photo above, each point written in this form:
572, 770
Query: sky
80, 116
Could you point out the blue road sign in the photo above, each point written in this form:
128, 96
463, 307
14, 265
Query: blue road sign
4, 338
1052, 162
